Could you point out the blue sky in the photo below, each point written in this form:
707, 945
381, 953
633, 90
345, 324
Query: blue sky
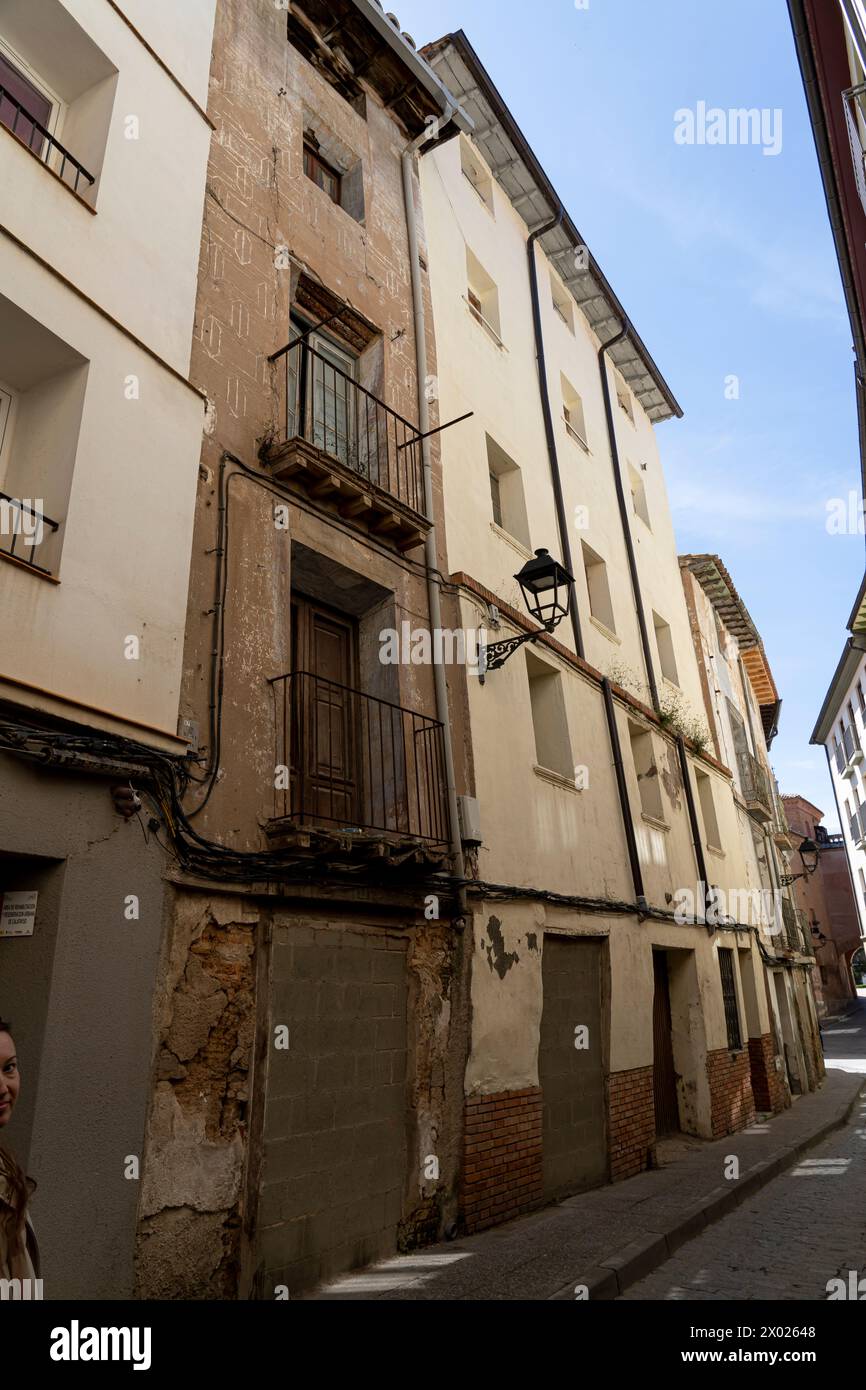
723, 258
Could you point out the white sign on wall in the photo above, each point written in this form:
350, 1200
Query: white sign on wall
18, 913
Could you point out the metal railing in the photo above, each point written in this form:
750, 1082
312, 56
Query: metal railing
851, 741
326, 407
805, 929
32, 534
853, 99
755, 782
792, 930
40, 141
358, 762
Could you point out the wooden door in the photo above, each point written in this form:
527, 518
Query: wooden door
664, 1077
324, 714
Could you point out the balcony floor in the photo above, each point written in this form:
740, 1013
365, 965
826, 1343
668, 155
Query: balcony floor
349, 494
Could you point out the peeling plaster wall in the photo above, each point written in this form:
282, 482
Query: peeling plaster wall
189, 1233
506, 997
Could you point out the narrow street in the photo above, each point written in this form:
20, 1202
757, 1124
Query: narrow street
806, 1227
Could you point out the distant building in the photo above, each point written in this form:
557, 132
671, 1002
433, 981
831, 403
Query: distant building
827, 898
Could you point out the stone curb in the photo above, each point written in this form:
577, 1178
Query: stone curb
613, 1275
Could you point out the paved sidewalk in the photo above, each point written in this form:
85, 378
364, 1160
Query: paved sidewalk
611, 1237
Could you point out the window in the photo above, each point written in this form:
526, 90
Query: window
482, 297
643, 757
638, 495
475, 171
572, 413
6, 399
506, 493
563, 303
496, 498
332, 166
23, 109
57, 87
861, 701
665, 645
41, 404
600, 605
729, 997
623, 396
708, 809
321, 173
552, 743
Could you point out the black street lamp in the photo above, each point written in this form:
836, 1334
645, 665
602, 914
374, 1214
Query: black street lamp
809, 853
546, 586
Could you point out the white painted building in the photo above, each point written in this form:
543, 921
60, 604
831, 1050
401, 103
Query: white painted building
104, 143
841, 728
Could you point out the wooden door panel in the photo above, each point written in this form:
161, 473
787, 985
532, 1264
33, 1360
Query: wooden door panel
324, 774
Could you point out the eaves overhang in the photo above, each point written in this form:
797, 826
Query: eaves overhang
721, 591
350, 40
519, 173
843, 678
857, 620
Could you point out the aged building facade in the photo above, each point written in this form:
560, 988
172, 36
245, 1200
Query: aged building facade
827, 899
743, 707
101, 108
607, 1012
307, 1095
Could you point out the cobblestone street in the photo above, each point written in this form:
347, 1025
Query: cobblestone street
803, 1229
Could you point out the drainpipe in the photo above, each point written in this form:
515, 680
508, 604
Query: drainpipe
624, 806
430, 553
623, 511
550, 435
693, 818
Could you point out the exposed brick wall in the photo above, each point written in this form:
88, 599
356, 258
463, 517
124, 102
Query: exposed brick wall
631, 1121
731, 1099
768, 1084
502, 1172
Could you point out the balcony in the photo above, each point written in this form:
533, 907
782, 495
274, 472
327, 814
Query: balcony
857, 826
22, 529
805, 930
757, 791
365, 776
16, 117
346, 449
791, 925
854, 106
853, 751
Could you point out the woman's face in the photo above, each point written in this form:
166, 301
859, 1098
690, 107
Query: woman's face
10, 1081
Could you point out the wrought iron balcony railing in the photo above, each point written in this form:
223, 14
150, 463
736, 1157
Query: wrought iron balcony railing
756, 786
357, 762
854, 99
41, 142
805, 930
327, 408
14, 529
851, 742
792, 928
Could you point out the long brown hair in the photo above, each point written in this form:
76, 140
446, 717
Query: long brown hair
19, 1185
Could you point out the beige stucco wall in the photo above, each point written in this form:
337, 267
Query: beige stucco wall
127, 516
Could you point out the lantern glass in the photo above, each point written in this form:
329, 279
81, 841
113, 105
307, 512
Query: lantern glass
809, 855
546, 587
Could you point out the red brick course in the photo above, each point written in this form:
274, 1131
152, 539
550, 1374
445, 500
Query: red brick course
502, 1157
731, 1100
768, 1085
631, 1121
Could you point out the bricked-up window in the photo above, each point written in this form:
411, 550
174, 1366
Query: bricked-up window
729, 997
506, 492
646, 769
549, 719
321, 173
